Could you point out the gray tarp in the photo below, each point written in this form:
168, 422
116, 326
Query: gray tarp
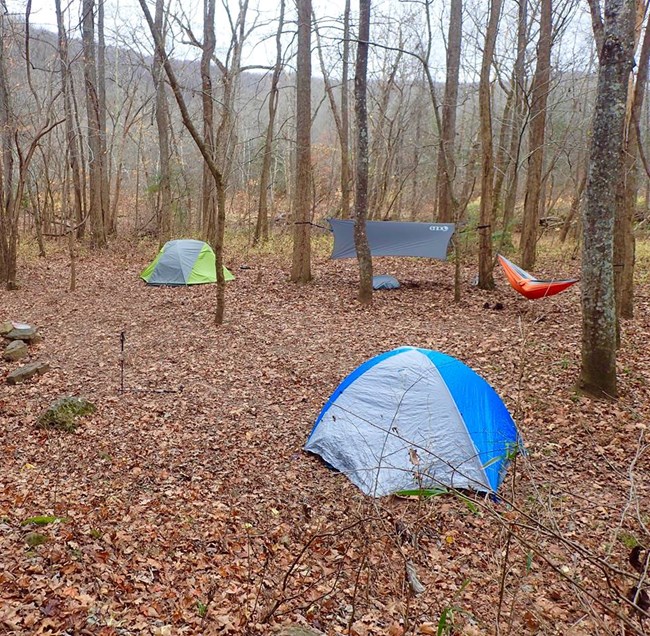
385, 282
394, 238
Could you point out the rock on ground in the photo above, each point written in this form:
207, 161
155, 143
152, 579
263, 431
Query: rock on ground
26, 333
63, 413
23, 373
15, 350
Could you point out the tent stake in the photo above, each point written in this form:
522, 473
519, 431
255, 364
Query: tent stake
122, 339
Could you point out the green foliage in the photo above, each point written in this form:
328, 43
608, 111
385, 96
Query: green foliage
446, 621
42, 520
628, 540
471, 506
154, 185
280, 243
529, 562
201, 608
472, 212
423, 493
512, 451
642, 261
503, 239
63, 414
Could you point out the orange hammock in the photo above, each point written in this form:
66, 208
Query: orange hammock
531, 287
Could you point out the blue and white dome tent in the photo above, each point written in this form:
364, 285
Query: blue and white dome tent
414, 418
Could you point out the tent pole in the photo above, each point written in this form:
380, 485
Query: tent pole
122, 339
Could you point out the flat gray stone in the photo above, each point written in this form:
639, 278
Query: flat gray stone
15, 350
29, 370
5, 327
24, 333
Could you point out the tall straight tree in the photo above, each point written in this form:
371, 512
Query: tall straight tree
72, 138
8, 126
485, 277
598, 371
208, 191
361, 191
301, 264
539, 99
345, 115
163, 126
95, 156
110, 224
624, 242
449, 105
517, 121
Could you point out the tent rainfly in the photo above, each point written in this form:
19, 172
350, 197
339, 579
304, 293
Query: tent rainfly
394, 238
414, 418
183, 262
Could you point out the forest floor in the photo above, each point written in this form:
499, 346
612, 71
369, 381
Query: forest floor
195, 510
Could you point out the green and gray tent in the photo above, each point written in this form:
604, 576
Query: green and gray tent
183, 262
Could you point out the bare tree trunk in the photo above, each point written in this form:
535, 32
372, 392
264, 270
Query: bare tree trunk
8, 221
163, 126
519, 88
575, 206
261, 234
624, 243
35, 204
415, 198
66, 213
502, 158
73, 154
221, 156
208, 194
82, 222
110, 224
449, 105
97, 216
541, 87
485, 264
346, 191
301, 264
361, 116
598, 372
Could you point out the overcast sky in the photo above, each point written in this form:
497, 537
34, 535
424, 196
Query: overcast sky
124, 19
125, 26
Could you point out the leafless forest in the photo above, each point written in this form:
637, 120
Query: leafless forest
526, 123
